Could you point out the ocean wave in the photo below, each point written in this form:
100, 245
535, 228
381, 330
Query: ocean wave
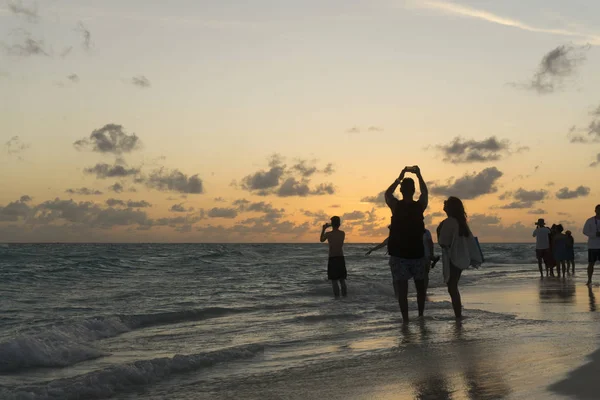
69, 344
108, 382
326, 317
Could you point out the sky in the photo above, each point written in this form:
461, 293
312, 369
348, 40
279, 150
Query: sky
236, 121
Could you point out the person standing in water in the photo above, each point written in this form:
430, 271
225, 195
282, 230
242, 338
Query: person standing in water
542, 245
591, 229
405, 244
454, 235
429, 260
559, 250
336, 266
570, 252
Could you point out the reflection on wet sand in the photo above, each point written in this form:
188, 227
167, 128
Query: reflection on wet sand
471, 369
559, 290
592, 299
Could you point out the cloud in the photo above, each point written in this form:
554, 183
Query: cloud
550, 184
469, 12
286, 182
263, 180
179, 208
175, 180
66, 52
375, 129
335, 206
111, 138
539, 211
15, 146
140, 81
461, 151
379, 200
29, 47
84, 192
16, 210
219, 199
117, 188
86, 36
354, 129
218, 212
597, 162
556, 65
353, 216
115, 202
104, 171
17, 8
138, 204
565, 193
470, 186
524, 198
73, 78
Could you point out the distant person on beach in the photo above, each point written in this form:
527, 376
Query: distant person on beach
454, 235
336, 266
542, 245
591, 229
429, 260
559, 250
570, 251
405, 243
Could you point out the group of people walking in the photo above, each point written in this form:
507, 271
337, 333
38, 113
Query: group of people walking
411, 255
556, 249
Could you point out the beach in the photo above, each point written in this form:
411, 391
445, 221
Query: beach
260, 322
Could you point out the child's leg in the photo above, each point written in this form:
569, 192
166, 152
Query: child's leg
344, 289
564, 267
336, 288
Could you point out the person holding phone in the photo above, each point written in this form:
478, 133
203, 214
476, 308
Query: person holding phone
542, 246
336, 266
405, 243
591, 229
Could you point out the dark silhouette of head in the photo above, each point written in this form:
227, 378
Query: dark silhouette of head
336, 222
454, 208
407, 188
598, 211
559, 228
568, 233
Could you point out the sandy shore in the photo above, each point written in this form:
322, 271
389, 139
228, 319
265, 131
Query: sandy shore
540, 342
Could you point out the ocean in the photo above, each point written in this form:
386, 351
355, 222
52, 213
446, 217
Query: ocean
190, 321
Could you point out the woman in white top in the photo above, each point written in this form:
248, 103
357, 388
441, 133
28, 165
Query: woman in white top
453, 237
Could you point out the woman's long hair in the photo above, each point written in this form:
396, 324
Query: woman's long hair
455, 208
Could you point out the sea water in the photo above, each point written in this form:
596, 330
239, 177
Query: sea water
92, 321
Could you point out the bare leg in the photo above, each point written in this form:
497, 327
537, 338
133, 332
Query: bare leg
336, 288
573, 267
564, 268
454, 293
421, 294
403, 298
590, 272
395, 284
540, 266
344, 289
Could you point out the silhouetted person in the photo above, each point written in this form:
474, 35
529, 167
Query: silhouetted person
336, 266
570, 252
405, 244
542, 245
591, 229
429, 260
559, 249
454, 235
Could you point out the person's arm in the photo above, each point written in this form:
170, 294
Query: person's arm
379, 246
390, 200
424, 198
535, 232
323, 234
430, 245
589, 229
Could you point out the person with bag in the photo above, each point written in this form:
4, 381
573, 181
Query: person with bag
460, 249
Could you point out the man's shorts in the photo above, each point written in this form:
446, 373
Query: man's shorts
336, 268
403, 269
593, 255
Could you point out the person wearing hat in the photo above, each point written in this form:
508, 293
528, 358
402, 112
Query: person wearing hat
542, 244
